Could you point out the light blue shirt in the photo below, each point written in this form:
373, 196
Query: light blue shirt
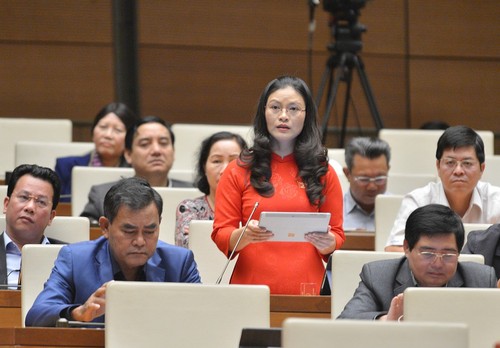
13, 260
355, 218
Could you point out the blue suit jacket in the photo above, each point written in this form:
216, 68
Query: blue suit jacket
64, 166
81, 268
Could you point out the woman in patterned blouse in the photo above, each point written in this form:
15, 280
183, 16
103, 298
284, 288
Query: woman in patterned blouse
215, 153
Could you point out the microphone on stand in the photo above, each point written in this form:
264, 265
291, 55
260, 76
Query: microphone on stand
237, 243
312, 21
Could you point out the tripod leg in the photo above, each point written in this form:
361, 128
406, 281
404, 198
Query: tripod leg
332, 93
348, 79
360, 67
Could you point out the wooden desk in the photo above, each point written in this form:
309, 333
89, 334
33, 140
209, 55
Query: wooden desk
63, 209
95, 232
10, 308
51, 337
359, 241
286, 306
282, 307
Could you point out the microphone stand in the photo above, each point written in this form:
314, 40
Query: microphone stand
237, 243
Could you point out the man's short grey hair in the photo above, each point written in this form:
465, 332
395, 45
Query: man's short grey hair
366, 147
134, 193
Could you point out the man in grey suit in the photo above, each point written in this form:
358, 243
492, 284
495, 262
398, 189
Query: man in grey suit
486, 243
434, 236
149, 149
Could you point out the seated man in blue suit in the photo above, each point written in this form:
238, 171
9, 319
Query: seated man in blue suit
434, 236
128, 250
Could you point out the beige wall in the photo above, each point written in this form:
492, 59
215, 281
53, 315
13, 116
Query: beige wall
208, 61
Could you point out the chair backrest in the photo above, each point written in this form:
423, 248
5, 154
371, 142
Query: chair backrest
402, 183
3, 194
386, 210
46, 153
145, 314
414, 150
347, 265
172, 196
478, 308
68, 229
83, 178
344, 183
492, 169
323, 333
337, 155
182, 174
188, 138
36, 265
468, 227
209, 259
13, 130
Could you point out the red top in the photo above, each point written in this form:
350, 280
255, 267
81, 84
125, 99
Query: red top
283, 266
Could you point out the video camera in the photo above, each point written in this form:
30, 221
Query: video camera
345, 26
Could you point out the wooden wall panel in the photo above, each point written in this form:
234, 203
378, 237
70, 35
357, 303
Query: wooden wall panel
261, 24
465, 28
456, 91
210, 86
55, 81
56, 20
222, 86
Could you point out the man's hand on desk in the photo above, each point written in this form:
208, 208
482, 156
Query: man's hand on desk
94, 307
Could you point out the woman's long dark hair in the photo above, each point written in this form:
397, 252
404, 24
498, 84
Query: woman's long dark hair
310, 154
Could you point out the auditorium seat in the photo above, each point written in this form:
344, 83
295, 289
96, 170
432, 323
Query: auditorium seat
146, 314
189, 136
386, 210
492, 170
83, 178
210, 260
413, 151
13, 130
475, 307
45, 153
69, 229
324, 333
172, 196
37, 262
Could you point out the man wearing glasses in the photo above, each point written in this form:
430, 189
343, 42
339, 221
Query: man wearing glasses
460, 165
434, 236
367, 165
30, 206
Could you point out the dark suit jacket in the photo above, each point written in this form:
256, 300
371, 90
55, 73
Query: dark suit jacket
486, 243
94, 208
64, 166
81, 268
3, 257
382, 280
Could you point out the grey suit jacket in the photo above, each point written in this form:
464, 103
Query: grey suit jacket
94, 208
3, 257
382, 280
486, 243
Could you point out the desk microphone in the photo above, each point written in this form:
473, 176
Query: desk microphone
10, 287
62, 322
237, 243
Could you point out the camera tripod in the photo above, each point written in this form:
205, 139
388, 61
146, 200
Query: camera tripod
339, 68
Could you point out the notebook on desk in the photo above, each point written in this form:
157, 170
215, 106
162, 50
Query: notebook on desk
292, 226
